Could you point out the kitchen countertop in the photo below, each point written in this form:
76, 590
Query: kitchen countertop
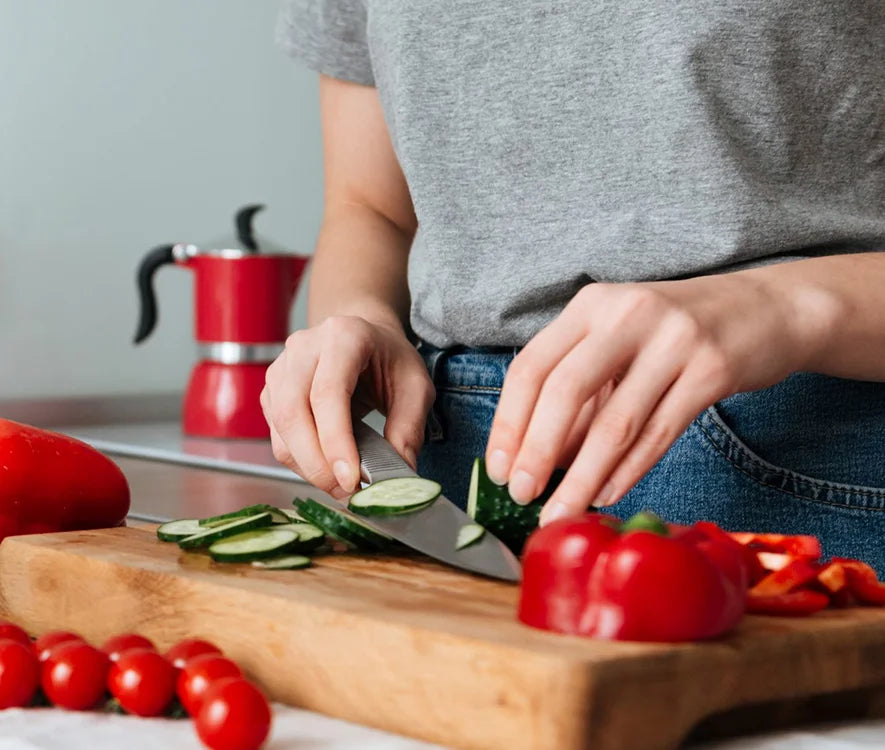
51, 729
165, 490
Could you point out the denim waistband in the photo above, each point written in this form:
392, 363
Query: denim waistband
468, 368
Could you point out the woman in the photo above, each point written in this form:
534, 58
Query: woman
663, 222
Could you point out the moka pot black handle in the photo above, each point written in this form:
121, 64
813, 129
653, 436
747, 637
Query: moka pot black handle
159, 256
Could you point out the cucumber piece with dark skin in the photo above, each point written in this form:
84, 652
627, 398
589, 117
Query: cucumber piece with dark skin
491, 506
341, 525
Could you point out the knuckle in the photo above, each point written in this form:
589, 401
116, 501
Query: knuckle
297, 339
323, 391
270, 374
565, 385
657, 436
639, 299
344, 326
280, 451
537, 457
618, 428
503, 433
589, 294
684, 328
318, 476
522, 374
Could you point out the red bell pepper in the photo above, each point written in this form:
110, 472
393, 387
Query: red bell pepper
589, 576
795, 603
52, 482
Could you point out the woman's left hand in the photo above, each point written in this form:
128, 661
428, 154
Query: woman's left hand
614, 380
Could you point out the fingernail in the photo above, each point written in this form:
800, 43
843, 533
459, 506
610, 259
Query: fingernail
498, 466
605, 496
522, 487
411, 457
553, 512
344, 474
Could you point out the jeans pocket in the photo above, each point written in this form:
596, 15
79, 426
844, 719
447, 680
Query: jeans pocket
768, 474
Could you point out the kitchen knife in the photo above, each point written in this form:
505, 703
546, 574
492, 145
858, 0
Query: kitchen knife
434, 529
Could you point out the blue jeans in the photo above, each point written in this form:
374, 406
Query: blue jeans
806, 456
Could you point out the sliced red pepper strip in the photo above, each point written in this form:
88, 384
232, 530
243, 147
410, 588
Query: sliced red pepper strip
774, 560
863, 581
800, 545
796, 603
842, 599
787, 579
832, 577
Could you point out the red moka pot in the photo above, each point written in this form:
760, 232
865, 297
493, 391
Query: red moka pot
242, 299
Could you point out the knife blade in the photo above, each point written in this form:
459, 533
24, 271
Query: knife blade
434, 529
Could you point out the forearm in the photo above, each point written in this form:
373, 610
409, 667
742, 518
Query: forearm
359, 267
838, 304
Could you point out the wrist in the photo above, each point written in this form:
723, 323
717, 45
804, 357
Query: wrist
374, 311
812, 312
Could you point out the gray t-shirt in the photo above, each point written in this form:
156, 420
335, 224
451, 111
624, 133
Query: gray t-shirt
548, 144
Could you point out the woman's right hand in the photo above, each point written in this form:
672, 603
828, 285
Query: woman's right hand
332, 373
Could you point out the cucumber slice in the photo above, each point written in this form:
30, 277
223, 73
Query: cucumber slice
292, 515
175, 530
469, 534
309, 536
342, 525
253, 545
214, 533
394, 496
491, 506
251, 510
287, 562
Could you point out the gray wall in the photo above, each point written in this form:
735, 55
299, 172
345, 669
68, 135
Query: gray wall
124, 125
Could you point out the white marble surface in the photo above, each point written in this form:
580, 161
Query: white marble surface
49, 729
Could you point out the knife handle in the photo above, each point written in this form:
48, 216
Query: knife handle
378, 458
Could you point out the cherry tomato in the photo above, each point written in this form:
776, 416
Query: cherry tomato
235, 716
143, 681
75, 675
188, 649
115, 646
14, 633
196, 676
19, 674
45, 643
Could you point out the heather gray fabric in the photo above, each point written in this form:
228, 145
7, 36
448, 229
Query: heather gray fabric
551, 144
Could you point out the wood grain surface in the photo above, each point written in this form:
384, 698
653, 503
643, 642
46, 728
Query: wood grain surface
411, 647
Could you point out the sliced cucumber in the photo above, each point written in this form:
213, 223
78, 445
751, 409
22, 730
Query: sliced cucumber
253, 545
341, 525
175, 530
394, 496
287, 562
214, 533
491, 506
251, 510
309, 536
292, 515
469, 534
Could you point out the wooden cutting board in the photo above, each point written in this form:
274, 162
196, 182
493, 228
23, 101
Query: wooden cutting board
414, 648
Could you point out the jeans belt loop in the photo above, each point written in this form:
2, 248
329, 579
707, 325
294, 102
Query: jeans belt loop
433, 429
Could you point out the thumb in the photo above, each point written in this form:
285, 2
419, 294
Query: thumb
411, 399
